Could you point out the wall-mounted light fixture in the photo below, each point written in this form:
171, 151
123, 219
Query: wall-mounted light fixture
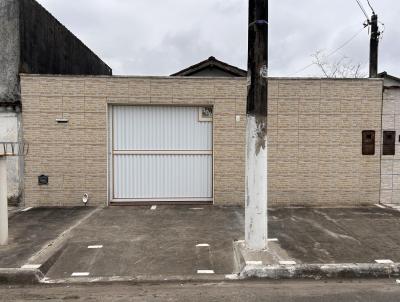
62, 120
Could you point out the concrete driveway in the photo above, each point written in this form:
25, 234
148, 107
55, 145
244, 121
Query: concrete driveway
164, 242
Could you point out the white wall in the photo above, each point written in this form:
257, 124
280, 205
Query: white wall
9, 132
390, 164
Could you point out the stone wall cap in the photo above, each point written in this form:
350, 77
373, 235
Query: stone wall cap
24, 75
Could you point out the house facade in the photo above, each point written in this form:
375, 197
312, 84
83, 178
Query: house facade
147, 140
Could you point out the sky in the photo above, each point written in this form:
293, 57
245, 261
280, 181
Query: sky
161, 37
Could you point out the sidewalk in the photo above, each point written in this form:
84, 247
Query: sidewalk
181, 243
30, 231
349, 235
321, 243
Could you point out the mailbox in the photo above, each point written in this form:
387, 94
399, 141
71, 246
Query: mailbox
368, 142
389, 143
43, 180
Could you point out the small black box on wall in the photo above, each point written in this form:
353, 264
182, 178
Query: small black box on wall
389, 143
43, 180
368, 142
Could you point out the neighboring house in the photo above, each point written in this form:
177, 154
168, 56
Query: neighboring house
390, 181
211, 68
389, 80
146, 140
33, 41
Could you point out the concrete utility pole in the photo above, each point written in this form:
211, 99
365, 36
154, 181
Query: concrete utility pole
257, 111
3, 202
374, 46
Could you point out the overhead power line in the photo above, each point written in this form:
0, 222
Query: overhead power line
366, 24
345, 43
333, 52
363, 9
373, 11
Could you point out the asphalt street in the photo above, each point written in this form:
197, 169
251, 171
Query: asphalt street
311, 291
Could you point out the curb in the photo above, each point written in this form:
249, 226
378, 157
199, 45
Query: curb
20, 276
142, 279
249, 272
45, 267
321, 271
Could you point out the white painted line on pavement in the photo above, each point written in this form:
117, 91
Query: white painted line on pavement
27, 209
232, 277
95, 247
273, 240
205, 271
153, 208
197, 209
384, 261
80, 274
240, 241
31, 266
393, 206
287, 262
202, 245
380, 206
251, 262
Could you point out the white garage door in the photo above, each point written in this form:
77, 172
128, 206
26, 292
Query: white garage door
161, 153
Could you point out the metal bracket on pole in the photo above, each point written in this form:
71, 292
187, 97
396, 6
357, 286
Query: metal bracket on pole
3, 202
259, 22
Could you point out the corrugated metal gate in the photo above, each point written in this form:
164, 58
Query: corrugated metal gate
161, 153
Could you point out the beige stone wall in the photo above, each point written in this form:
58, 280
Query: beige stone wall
74, 155
314, 136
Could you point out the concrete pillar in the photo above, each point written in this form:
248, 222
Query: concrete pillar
3, 202
256, 221
256, 210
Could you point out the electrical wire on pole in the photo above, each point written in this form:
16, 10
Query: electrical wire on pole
368, 23
370, 6
374, 40
363, 9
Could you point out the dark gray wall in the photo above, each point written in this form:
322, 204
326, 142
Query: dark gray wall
33, 41
48, 47
9, 51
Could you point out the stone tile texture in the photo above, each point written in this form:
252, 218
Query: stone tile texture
314, 139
